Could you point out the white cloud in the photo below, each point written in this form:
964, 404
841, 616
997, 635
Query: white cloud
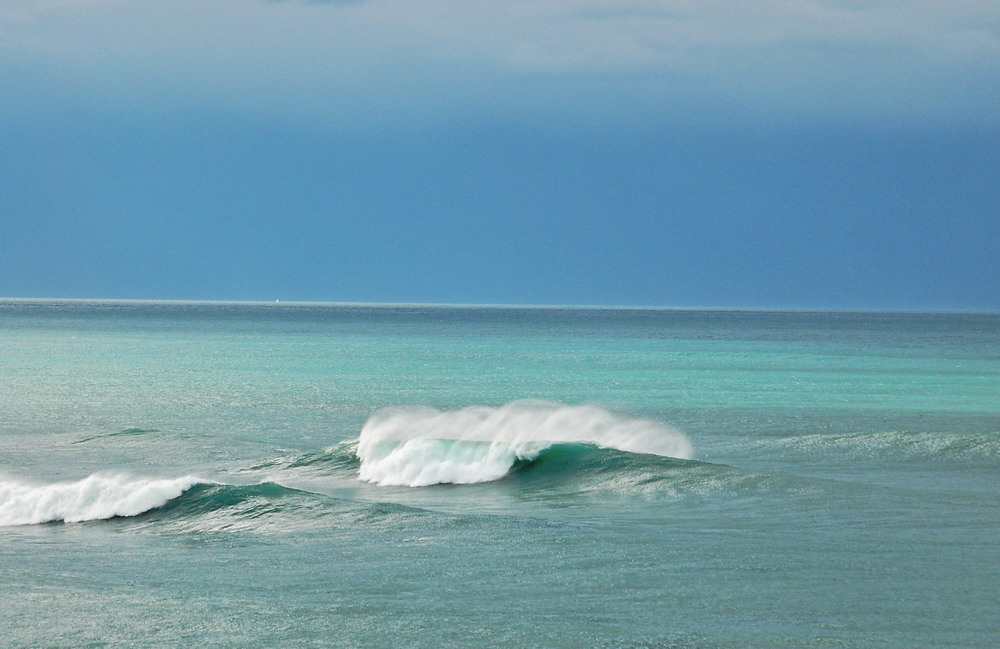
443, 59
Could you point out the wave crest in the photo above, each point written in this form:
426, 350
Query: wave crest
96, 497
421, 446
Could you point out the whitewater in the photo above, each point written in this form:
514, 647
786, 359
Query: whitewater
92, 498
413, 447
308, 475
416, 447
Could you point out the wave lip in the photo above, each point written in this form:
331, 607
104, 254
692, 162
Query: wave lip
98, 496
422, 446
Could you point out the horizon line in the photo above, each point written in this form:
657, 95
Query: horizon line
484, 305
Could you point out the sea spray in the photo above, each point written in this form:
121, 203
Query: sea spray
421, 446
98, 496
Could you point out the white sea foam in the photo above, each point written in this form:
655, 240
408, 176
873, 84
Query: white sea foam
420, 446
98, 496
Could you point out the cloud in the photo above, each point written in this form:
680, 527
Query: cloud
382, 61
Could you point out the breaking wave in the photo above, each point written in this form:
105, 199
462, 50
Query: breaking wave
421, 446
183, 504
96, 497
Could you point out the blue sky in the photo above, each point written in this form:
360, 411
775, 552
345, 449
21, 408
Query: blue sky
793, 153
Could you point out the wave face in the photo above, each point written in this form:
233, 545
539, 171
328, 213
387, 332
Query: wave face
265, 507
421, 446
96, 497
340, 457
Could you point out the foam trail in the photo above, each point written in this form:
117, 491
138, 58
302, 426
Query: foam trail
420, 446
95, 497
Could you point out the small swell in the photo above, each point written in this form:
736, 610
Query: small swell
227, 507
338, 458
128, 432
903, 445
266, 507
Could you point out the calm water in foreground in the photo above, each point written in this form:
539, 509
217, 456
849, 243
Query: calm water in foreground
234, 475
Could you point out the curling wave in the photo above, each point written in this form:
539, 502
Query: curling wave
96, 497
421, 446
183, 504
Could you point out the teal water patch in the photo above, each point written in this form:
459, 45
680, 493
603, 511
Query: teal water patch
841, 491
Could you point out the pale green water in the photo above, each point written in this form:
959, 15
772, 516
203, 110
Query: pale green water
843, 489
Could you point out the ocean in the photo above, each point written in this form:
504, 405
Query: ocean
183, 474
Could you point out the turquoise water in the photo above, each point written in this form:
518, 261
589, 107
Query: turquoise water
189, 474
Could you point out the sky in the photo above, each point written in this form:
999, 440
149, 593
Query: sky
776, 153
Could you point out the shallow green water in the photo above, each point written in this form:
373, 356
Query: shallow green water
842, 490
